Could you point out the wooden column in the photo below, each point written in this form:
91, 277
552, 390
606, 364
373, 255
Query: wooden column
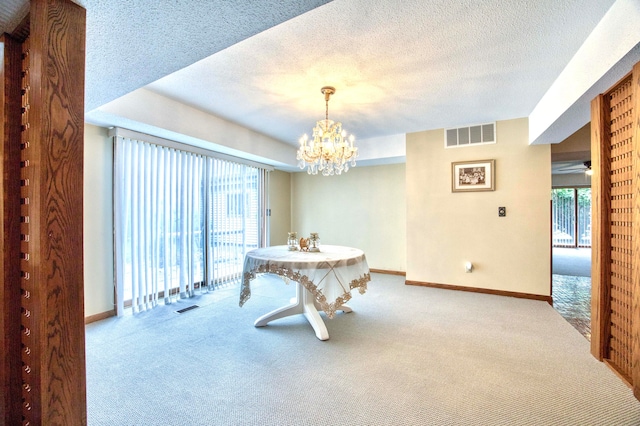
600, 227
10, 376
42, 306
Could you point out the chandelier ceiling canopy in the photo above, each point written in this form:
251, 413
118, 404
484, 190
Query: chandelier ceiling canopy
330, 149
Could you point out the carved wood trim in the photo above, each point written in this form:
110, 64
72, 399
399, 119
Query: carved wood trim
10, 375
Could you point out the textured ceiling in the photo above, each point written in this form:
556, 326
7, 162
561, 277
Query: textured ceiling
398, 66
133, 42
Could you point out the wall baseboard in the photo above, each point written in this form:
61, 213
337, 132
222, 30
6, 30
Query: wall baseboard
100, 316
384, 271
541, 297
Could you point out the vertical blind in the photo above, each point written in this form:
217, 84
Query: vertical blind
183, 221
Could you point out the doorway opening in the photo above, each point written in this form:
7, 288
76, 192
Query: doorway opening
571, 256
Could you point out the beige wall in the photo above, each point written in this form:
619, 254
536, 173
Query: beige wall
193, 126
280, 205
404, 217
98, 218
575, 147
98, 222
571, 179
363, 208
447, 229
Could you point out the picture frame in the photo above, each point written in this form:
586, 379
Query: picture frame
472, 176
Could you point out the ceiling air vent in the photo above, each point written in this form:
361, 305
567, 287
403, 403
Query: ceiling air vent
469, 136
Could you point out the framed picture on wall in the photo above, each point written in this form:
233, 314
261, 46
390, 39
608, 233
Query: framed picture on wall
468, 176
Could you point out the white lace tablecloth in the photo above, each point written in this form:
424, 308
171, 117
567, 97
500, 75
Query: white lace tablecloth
329, 275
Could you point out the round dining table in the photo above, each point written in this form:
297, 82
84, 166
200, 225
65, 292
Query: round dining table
324, 280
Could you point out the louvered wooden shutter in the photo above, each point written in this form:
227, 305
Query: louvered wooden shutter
616, 228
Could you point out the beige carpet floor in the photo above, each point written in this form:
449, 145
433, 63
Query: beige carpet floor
405, 356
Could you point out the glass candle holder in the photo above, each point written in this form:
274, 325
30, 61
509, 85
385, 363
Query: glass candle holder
292, 241
314, 242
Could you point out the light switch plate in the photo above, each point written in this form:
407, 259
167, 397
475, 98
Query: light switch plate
502, 211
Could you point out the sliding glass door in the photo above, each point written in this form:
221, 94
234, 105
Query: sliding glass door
183, 221
571, 215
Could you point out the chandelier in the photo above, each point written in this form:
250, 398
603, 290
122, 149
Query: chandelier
329, 150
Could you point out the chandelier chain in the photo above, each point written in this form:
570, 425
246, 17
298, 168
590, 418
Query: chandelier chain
326, 108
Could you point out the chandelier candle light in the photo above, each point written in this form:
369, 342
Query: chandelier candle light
329, 150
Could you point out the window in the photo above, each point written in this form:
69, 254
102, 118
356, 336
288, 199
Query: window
183, 221
571, 215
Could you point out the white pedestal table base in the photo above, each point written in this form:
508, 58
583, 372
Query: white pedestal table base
305, 304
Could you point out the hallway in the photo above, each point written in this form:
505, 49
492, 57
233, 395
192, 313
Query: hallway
572, 287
